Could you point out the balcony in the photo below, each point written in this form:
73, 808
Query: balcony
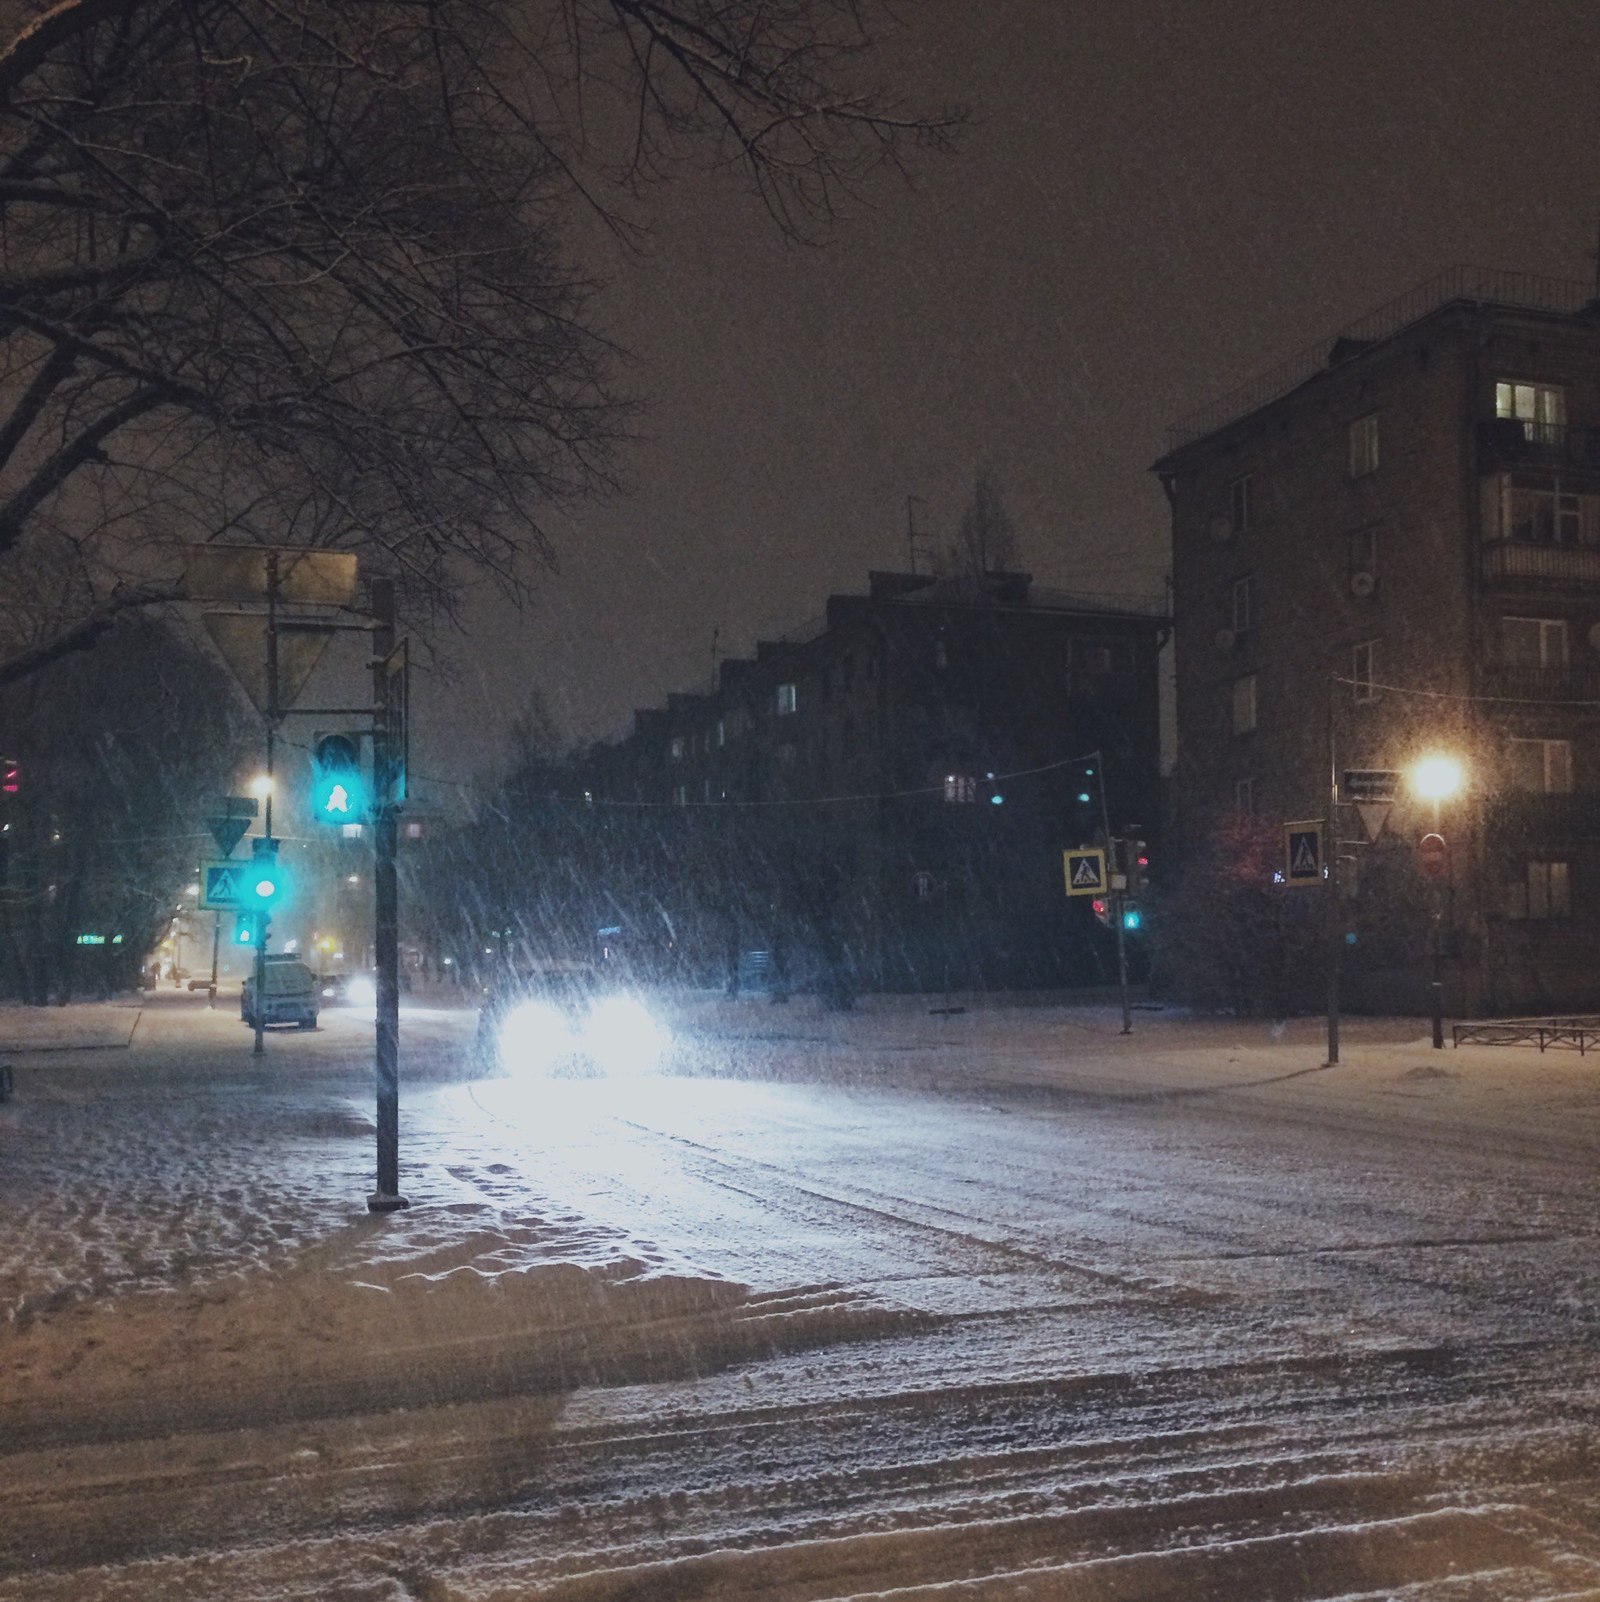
1508, 442
1552, 684
1533, 819
1516, 563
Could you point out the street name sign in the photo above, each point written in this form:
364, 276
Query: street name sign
1371, 784
1302, 853
1085, 870
222, 886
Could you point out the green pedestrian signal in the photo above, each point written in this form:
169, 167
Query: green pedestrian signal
339, 789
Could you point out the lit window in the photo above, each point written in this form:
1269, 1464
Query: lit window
1244, 704
1244, 604
679, 746
1364, 669
1540, 767
722, 732
1364, 445
960, 787
786, 699
1540, 408
1239, 503
1534, 641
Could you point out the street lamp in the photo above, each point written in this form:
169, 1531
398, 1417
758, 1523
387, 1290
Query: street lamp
1436, 778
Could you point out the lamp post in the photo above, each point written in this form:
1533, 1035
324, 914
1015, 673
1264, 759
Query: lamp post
1436, 778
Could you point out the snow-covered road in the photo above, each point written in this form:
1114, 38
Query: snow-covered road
1001, 1304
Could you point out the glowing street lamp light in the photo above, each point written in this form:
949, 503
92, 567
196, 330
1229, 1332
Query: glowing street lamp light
261, 785
1436, 778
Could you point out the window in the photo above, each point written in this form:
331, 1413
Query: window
1541, 767
1542, 509
1543, 891
679, 747
960, 787
680, 795
1244, 604
1364, 446
786, 700
1102, 656
1540, 408
1534, 641
1364, 669
1244, 704
1244, 798
1239, 503
1364, 551
722, 732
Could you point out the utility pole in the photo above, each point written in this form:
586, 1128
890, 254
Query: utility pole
271, 715
386, 1198
1117, 898
1330, 863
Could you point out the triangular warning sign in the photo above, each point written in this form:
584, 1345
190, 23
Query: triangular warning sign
1304, 859
1373, 815
242, 639
227, 832
1086, 871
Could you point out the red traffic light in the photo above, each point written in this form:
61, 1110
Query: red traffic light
1101, 910
10, 776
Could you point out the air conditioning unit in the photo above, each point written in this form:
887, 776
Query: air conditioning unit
1362, 585
1226, 640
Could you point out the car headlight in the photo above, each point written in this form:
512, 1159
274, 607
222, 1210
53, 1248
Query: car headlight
533, 1036
622, 1037
362, 992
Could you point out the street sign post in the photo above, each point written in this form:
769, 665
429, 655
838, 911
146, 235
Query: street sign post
1433, 855
223, 886
1085, 869
1302, 853
1371, 784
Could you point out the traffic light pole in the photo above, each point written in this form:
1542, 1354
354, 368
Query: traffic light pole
386, 1198
1118, 898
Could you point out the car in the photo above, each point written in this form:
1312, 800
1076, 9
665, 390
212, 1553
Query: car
347, 990
289, 992
567, 1019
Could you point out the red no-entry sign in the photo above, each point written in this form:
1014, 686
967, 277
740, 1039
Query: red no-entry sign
1433, 855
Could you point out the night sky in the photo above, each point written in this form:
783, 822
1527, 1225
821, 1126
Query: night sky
1154, 202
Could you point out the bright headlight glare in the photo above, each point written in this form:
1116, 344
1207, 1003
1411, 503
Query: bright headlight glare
622, 1037
362, 991
533, 1035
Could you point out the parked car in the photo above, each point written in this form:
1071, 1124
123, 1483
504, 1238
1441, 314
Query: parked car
347, 990
289, 994
567, 1018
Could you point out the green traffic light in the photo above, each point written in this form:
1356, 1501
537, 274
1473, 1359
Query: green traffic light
1131, 919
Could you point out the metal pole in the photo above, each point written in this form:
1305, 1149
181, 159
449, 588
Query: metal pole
386, 1198
1115, 897
260, 919
216, 940
1435, 984
1330, 850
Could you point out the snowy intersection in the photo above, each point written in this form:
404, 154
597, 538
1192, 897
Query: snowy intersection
1000, 1304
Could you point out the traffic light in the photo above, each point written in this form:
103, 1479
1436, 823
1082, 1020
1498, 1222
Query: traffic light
263, 883
1101, 910
244, 929
1131, 918
339, 792
1138, 866
10, 776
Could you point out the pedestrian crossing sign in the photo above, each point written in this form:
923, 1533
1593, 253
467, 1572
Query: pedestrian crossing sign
222, 886
1085, 870
1302, 853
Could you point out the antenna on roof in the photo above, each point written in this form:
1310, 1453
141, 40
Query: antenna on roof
916, 544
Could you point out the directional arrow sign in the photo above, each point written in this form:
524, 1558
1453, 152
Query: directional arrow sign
227, 832
223, 886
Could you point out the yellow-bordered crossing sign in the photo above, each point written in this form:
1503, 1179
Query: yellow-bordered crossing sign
1086, 871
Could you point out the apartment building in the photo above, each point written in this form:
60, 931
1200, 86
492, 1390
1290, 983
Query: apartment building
1387, 548
888, 791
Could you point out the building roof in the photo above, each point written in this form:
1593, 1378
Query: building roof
1481, 288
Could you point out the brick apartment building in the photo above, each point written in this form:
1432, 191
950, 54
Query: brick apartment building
886, 794
1389, 547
